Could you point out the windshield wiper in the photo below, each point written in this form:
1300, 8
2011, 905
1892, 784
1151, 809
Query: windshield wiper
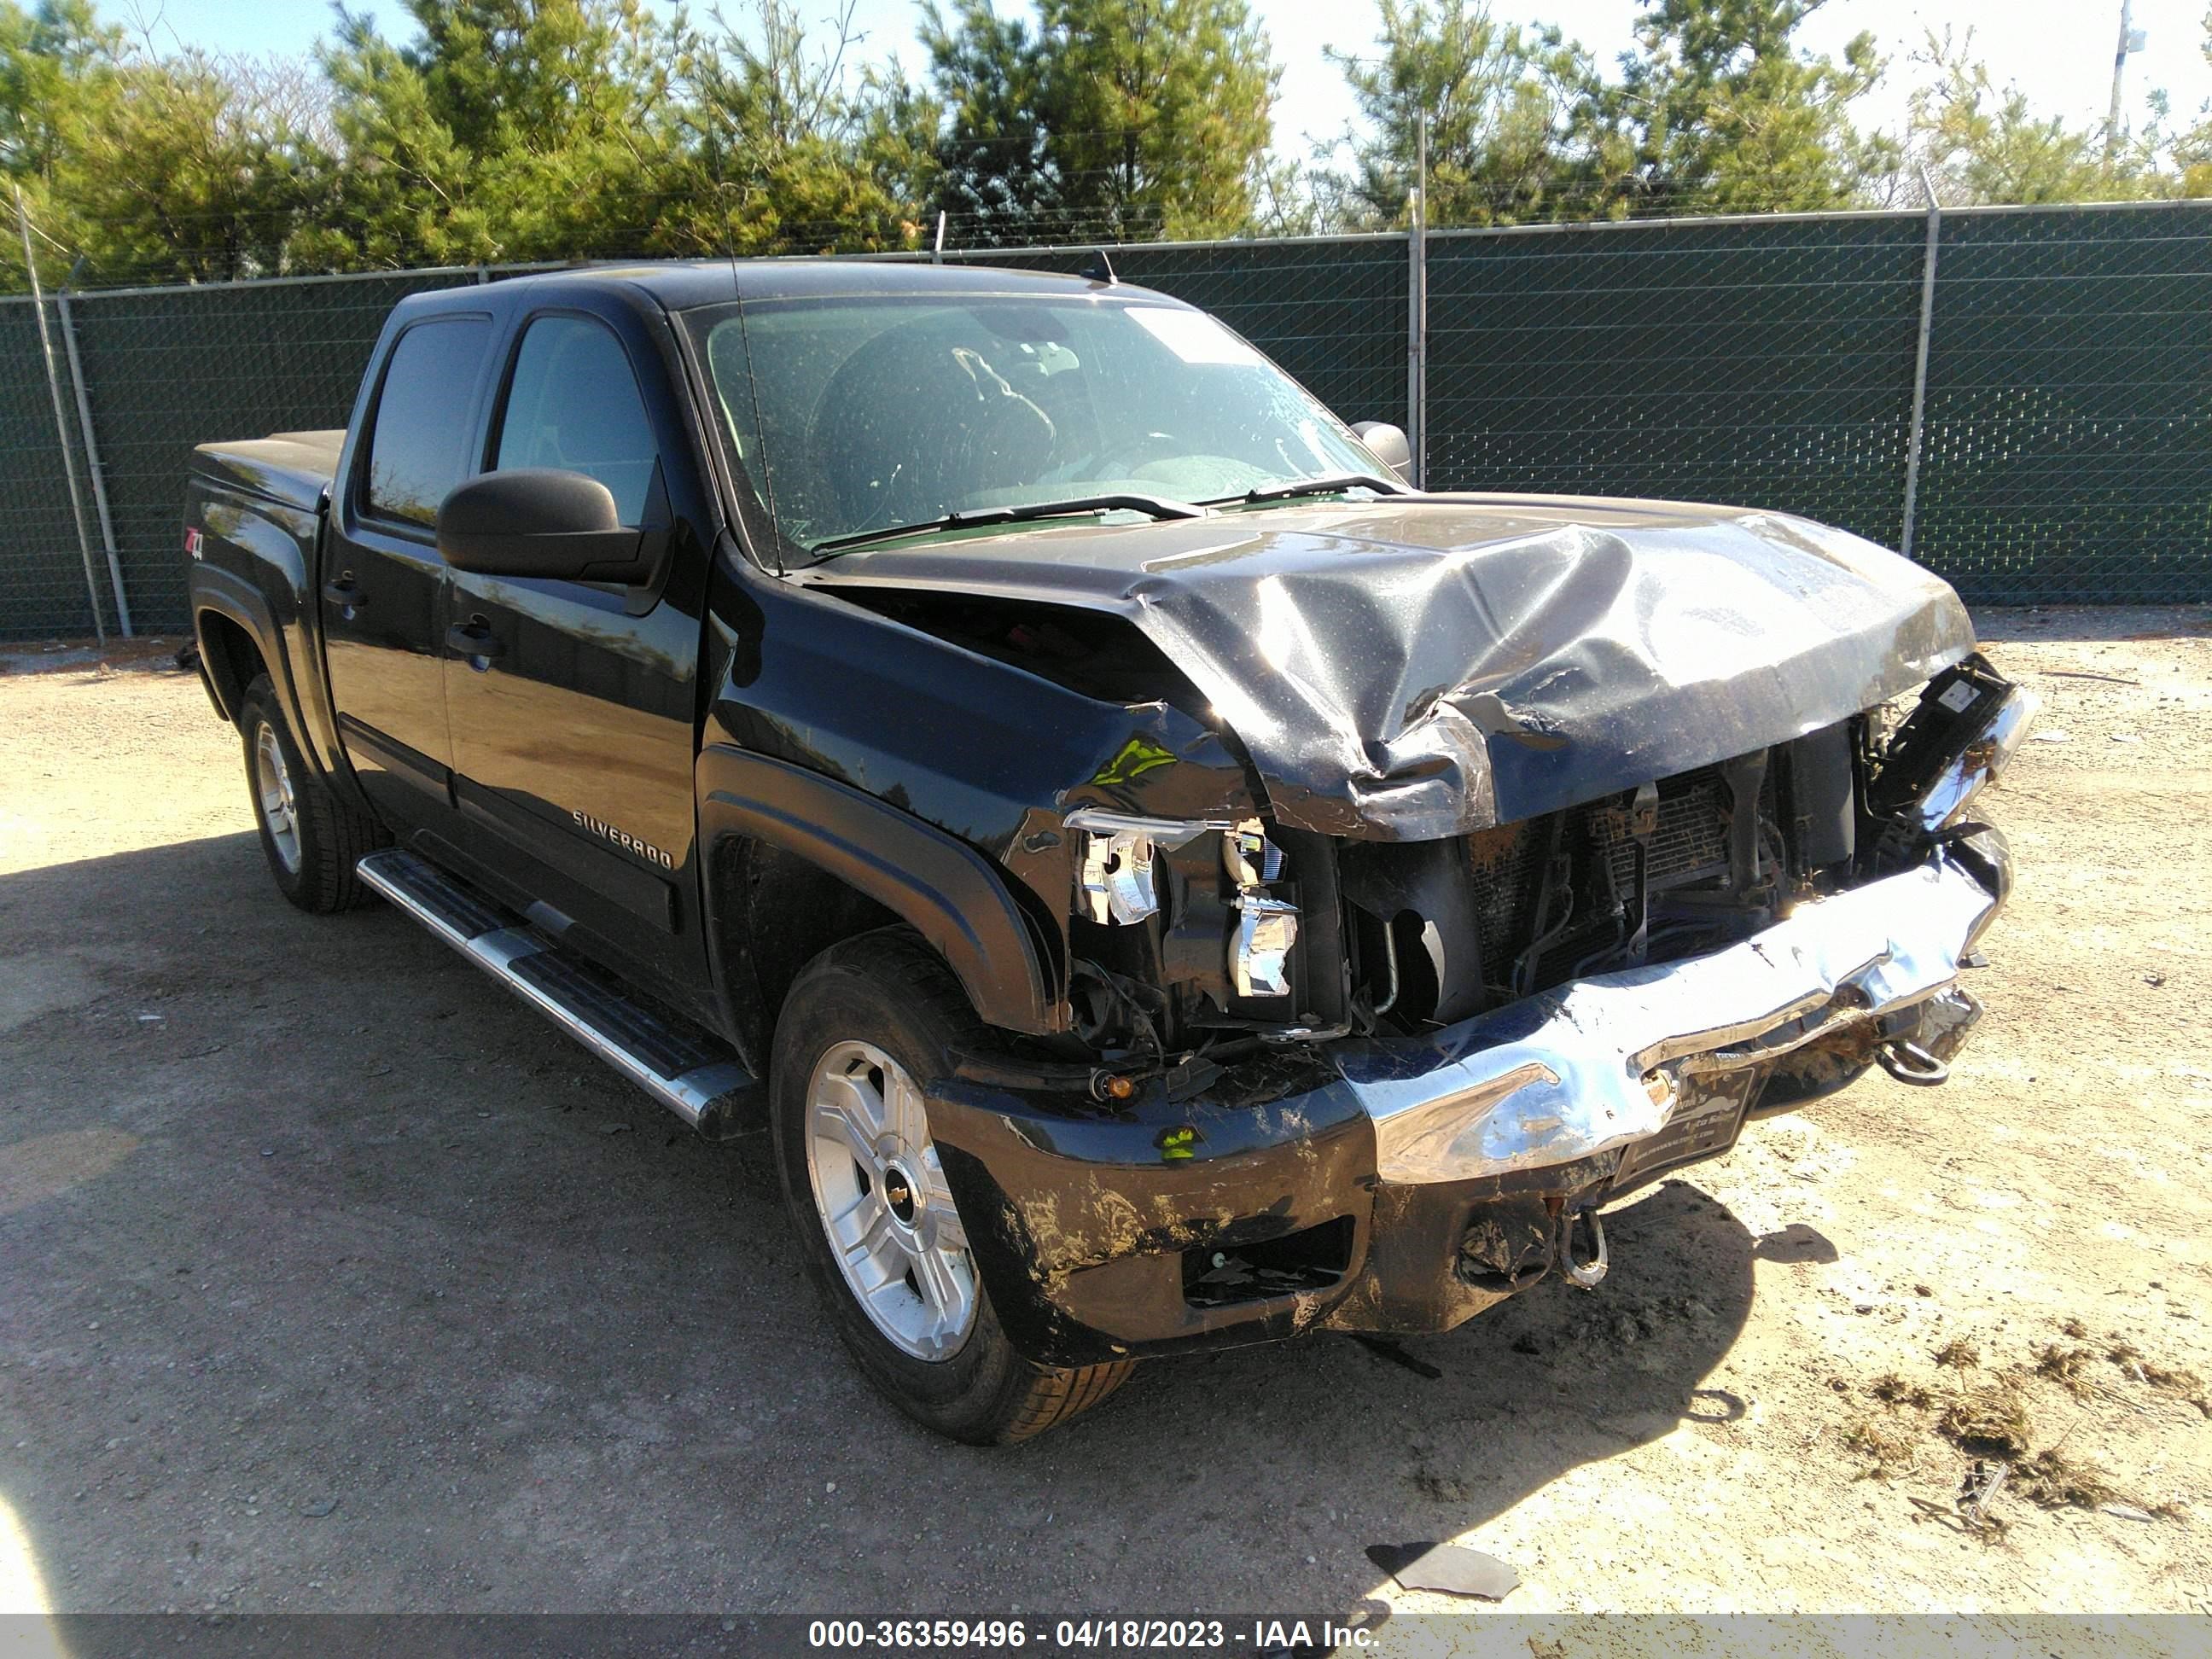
1159, 507
1333, 486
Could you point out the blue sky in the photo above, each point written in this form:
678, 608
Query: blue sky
2060, 52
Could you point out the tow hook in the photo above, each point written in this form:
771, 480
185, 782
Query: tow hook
1908, 1062
1587, 1274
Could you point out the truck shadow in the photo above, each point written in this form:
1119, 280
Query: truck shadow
331, 1277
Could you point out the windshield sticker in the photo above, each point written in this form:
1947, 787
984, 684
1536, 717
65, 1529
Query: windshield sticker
1194, 336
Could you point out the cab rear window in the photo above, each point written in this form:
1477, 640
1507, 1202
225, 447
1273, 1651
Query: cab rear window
418, 447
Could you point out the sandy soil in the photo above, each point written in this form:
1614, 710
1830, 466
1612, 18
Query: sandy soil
328, 1279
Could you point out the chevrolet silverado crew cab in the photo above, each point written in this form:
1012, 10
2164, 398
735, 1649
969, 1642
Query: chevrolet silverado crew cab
1161, 881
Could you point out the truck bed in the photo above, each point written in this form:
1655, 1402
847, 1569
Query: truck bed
293, 468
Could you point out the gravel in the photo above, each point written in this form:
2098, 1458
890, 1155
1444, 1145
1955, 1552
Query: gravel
335, 1287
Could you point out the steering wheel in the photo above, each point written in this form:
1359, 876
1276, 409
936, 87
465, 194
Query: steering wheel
1112, 463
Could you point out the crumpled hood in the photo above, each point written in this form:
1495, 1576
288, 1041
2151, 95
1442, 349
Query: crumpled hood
1413, 669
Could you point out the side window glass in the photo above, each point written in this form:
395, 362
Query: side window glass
419, 447
574, 404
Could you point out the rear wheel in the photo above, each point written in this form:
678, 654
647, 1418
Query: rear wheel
312, 837
867, 1023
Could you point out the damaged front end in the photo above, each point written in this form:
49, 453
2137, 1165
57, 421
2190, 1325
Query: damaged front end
1185, 927
1380, 1084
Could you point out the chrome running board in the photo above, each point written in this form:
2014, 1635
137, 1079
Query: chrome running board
683, 1067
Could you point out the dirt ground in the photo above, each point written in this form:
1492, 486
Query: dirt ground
329, 1279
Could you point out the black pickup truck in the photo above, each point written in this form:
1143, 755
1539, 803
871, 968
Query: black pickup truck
1162, 881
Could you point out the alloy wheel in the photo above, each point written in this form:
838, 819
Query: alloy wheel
880, 1192
272, 786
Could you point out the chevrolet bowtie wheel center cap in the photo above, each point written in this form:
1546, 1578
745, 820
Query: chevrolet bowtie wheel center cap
898, 1193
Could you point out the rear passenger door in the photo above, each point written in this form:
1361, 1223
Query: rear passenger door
383, 582
573, 704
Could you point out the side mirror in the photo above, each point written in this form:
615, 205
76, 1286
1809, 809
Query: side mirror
540, 521
1389, 445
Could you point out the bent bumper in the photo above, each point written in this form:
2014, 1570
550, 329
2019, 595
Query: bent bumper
1433, 1168
1602, 1062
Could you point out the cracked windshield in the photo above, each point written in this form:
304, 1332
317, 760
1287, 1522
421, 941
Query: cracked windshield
858, 418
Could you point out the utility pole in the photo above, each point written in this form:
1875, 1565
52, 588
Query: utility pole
1913, 443
1421, 304
2131, 39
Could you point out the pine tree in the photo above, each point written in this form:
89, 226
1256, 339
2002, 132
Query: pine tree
1114, 120
788, 149
1498, 100
997, 179
1719, 110
143, 168
1157, 113
513, 130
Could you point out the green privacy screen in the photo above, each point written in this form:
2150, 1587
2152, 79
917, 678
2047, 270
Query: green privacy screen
2069, 406
1764, 362
43, 592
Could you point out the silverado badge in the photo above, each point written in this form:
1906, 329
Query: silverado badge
623, 839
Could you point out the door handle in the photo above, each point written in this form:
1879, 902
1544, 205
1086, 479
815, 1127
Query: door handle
345, 594
474, 640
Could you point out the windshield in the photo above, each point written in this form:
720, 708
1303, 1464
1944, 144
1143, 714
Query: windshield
852, 417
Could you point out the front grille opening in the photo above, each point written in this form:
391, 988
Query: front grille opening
1312, 1258
1585, 926
1506, 862
1418, 989
1502, 913
1690, 843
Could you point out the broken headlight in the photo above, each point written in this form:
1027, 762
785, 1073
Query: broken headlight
1266, 930
1266, 927
1117, 858
1966, 728
1114, 867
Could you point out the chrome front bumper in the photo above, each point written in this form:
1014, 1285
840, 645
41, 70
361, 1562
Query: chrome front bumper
1600, 1063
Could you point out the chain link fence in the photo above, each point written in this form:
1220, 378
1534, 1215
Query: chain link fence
1759, 362
1768, 361
2069, 406
44, 592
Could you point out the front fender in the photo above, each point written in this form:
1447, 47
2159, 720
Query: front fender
939, 885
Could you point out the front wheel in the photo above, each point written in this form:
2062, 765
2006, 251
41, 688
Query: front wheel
866, 1024
311, 837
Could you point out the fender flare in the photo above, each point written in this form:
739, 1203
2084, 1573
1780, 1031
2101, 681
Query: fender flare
234, 598
951, 895
226, 597
236, 601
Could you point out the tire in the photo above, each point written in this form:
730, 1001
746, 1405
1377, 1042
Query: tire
311, 837
867, 1021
